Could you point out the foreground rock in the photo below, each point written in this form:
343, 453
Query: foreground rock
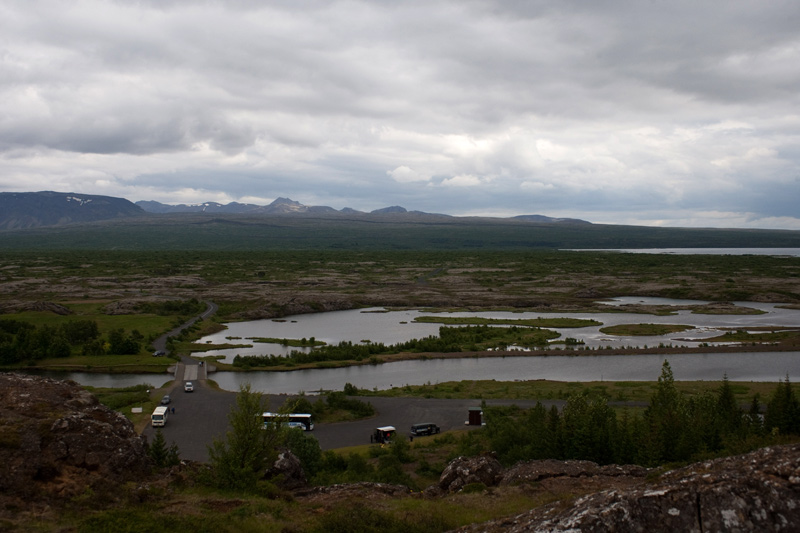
759, 491
57, 441
463, 471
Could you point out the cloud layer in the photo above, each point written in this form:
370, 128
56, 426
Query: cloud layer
659, 113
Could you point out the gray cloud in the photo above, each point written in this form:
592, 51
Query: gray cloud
672, 113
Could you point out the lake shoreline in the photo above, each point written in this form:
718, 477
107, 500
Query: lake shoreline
406, 356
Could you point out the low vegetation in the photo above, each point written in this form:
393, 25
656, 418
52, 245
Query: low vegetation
644, 329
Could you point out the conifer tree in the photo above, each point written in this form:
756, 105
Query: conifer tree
783, 411
728, 413
162, 455
665, 419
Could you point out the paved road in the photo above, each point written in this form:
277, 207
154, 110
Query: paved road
202, 415
160, 344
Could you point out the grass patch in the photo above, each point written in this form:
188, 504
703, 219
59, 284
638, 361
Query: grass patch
563, 322
299, 343
644, 329
623, 391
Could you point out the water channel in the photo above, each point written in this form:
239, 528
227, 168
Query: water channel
380, 325
392, 327
757, 366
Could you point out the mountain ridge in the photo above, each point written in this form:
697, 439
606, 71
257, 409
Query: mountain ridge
21, 210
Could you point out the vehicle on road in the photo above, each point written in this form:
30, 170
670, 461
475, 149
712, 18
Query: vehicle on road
188, 387
425, 428
383, 435
165, 400
159, 416
159, 353
301, 420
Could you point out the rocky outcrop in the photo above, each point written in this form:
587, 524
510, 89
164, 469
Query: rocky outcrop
328, 496
536, 471
19, 307
57, 441
280, 308
287, 471
759, 491
484, 469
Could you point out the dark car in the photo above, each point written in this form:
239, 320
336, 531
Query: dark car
159, 353
165, 400
425, 428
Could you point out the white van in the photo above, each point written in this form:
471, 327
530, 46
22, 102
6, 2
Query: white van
159, 416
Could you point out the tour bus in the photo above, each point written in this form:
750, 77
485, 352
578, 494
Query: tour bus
159, 416
299, 420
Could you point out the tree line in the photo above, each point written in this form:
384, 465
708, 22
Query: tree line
22, 341
673, 428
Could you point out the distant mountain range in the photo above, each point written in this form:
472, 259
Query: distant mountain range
285, 206
19, 210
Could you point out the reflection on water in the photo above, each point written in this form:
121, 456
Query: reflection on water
650, 300
773, 366
768, 366
92, 379
778, 252
378, 325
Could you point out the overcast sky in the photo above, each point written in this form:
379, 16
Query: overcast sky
673, 113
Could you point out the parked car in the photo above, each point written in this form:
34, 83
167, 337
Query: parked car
188, 387
425, 428
159, 353
165, 400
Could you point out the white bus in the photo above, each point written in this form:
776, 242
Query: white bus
299, 420
159, 416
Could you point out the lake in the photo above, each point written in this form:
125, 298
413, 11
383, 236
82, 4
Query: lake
392, 327
757, 366
380, 325
780, 252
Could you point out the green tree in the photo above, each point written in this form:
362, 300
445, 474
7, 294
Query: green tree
80, 331
665, 420
755, 424
783, 410
729, 415
306, 448
588, 427
122, 344
161, 454
239, 461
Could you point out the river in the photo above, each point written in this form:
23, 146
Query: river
757, 366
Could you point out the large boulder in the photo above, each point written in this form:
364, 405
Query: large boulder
57, 441
288, 471
463, 471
